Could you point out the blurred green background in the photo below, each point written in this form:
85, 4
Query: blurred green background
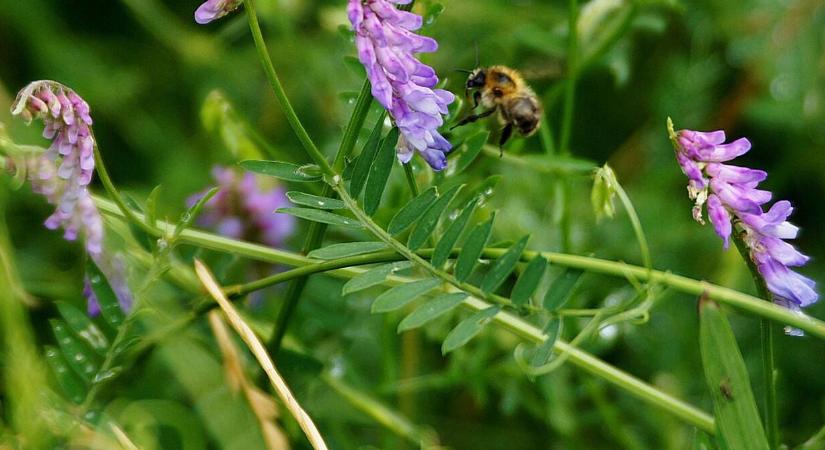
753, 68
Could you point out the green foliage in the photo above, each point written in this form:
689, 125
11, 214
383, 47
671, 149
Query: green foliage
468, 328
473, 246
379, 172
158, 376
727, 377
314, 201
321, 216
400, 296
346, 249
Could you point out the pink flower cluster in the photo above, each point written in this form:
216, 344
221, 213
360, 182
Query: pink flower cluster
64, 171
733, 201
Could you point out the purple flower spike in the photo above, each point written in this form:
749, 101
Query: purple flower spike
402, 84
243, 209
734, 203
214, 10
63, 173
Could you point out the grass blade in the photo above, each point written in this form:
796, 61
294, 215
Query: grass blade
737, 418
380, 172
432, 309
412, 211
504, 266
429, 220
400, 296
473, 247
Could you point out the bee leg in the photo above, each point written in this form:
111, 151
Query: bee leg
505, 136
476, 99
473, 117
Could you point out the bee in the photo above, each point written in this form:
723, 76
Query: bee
502, 89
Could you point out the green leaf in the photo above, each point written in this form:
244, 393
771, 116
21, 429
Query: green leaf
485, 190
562, 289
544, 352
69, 382
412, 211
470, 150
504, 266
374, 276
431, 309
314, 201
106, 298
141, 236
283, 170
737, 418
400, 296
380, 172
193, 212
528, 281
432, 13
450, 237
83, 327
152, 206
79, 357
429, 220
362, 165
316, 215
472, 249
468, 328
346, 249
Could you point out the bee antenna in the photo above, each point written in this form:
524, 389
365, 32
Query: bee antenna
463, 70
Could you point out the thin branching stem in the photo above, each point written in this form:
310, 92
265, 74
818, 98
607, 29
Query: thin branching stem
748, 303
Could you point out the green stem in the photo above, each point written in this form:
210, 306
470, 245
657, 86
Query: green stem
505, 320
280, 94
637, 226
572, 75
388, 418
116, 197
408, 171
412, 256
693, 288
769, 414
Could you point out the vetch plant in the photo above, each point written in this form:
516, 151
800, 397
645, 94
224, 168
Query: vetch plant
463, 254
402, 84
734, 203
63, 173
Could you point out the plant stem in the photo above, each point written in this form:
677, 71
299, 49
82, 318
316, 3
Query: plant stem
280, 94
572, 75
116, 197
637, 226
408, 171
508, 321
769, 414
736, 299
